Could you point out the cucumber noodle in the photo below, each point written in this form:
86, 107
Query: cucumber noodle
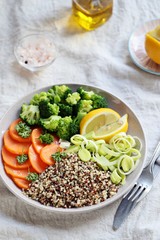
120, 156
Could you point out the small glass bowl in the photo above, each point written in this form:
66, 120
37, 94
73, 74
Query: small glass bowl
35, 51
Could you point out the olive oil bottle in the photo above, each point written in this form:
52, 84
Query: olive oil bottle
91, 14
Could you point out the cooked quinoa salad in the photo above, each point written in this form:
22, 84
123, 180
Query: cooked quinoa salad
72, 183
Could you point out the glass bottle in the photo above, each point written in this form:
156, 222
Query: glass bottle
91, 14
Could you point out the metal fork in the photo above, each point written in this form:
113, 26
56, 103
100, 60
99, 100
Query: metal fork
145, 181
139, 190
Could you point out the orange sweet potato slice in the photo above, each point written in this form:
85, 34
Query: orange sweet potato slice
18, 173
14, 134
21, 183
15, 146
47, 151
10, 160
36, 161
37, 144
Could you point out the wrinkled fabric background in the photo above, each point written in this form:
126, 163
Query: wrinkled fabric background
100, 58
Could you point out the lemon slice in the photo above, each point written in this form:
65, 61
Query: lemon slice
105, 123
152, 44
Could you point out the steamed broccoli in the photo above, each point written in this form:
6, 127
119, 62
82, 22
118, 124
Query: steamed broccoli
47, 109
99, 101
38, 97
85, 95
53, 97
72, 99
75, 124
61, 90
84, 106
50, 123
64, 128
30, 114
65, 110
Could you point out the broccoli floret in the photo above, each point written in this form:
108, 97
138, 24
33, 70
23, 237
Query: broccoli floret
50, 123
65, 110
61, 90
47, 109
53, 97
85, 95
75, 124
72, 99
30, 114
84, 106
99, 101
38, 98
64, 128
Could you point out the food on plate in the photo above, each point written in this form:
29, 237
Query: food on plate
152, 44
105, 123
69, 149
81, 184
60, 109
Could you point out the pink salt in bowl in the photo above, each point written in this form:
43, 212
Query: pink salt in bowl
36, 51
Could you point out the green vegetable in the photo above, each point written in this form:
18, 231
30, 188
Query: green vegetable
60, 107
73, 149
30, 114
63, 131
48, 109
84, 106
75, 124
61, 91
50, 123
58, 156
22, 158
32, 177
85, 95
46, 138
37, 98
65, 110
84, 155
98, 101
72, 99
23, 129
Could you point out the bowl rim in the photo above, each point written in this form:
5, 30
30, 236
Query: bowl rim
18, 193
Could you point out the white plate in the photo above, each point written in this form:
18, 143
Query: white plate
137, 48
118, 105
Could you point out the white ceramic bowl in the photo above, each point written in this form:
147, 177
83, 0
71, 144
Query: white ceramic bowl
118, 105
35, 51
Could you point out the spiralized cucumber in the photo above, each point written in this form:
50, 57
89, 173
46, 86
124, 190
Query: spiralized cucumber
120, 156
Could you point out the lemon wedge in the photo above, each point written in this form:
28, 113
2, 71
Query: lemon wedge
105, 123
152, 44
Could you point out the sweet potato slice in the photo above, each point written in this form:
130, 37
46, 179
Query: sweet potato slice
36, 161
47, 151
21, 183
10, 160
18, 173
15, 146
37, 144
14, 134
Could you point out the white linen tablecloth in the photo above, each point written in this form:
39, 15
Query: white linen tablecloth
100, 58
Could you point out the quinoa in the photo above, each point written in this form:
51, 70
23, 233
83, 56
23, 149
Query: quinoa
72, 183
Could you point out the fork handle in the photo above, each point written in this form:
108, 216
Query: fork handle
156, 154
